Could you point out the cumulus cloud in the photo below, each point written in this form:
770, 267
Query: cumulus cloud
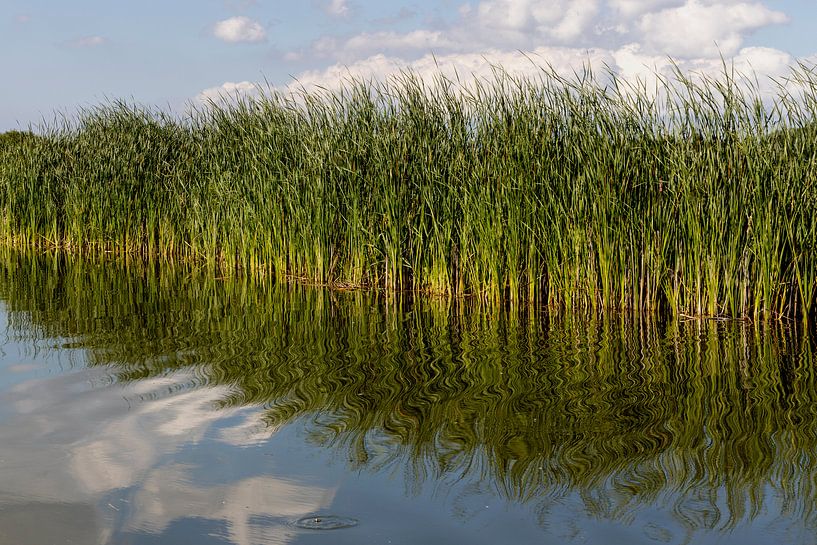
759, 69
697, 29
763, 60
239, 29
677, 28
518, 22
562, 20
466, 67
630, 63
631, 8
228, 91
637, 39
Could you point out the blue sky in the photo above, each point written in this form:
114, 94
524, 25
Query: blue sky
60, 56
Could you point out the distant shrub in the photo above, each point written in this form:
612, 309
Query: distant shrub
12, 139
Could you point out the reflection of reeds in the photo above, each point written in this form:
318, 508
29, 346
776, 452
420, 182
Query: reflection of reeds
577, 192
626, 412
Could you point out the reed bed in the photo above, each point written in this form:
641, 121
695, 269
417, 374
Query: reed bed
696, 197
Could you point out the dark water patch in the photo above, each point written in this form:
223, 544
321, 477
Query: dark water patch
36, 522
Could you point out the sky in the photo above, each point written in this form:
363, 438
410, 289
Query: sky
59, 57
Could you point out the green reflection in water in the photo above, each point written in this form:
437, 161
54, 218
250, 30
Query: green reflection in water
711, 420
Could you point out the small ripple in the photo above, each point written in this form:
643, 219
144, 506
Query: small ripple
325, 522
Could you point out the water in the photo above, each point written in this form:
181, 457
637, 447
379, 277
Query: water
172, 406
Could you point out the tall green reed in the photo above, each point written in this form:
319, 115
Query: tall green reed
695, 197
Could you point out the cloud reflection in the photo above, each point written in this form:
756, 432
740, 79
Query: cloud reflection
69, 447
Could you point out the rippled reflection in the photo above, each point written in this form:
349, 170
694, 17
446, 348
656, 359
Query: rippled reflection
712, 423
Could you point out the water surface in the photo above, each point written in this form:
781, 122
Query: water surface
148, 405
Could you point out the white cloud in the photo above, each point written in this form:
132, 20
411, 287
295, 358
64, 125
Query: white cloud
532, 22
337, 8
578, 17
239, 29
763, 60
466, 67
631, 8
678, 28
772, 64
492, 24
629, 62
633, 64
515, 15
758, 68
228, 91
634, 38
699, 29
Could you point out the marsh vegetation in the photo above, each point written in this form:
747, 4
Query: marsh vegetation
695, 198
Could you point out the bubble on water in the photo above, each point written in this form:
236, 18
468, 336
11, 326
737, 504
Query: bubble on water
325, 522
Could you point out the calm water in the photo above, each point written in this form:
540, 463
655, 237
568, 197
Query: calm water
140, 406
